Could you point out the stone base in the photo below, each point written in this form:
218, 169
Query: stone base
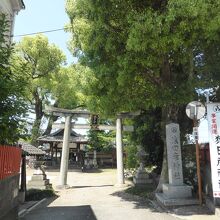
141, 178
39, 181
177, 192
21, 197
63, 186
165, 201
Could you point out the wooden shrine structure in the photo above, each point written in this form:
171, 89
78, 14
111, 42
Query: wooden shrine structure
55, 140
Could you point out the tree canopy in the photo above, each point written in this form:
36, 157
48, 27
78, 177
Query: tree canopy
38, 61
148, 55
142, 53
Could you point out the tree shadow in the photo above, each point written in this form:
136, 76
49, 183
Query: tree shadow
154, 206
45, 212
75, 170
77, 187
190, 210
138, 201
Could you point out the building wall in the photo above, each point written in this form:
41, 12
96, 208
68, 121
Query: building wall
11, 8
71, 145
9, 188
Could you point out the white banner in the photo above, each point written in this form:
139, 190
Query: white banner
213, 116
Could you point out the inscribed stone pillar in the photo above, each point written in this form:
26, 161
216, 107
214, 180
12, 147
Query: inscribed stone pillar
174, 154
65, 152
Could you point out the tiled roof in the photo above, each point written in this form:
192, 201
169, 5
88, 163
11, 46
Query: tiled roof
32, 150
57, 136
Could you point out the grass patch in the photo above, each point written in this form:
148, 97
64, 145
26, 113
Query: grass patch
38, 194
146, 191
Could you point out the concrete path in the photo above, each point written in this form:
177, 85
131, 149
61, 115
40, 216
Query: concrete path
93, 196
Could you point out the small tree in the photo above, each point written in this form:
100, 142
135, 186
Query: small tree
12, 105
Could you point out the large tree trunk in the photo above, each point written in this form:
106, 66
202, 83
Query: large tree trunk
51, 120
39, 114
169, 114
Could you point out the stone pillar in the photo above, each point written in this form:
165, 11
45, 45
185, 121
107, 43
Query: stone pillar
65, 152
174, 155
175, 188
175, 192
119, 150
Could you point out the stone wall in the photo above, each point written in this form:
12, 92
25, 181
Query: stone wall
9, 188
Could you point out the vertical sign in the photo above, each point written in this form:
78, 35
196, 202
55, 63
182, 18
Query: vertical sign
213, 115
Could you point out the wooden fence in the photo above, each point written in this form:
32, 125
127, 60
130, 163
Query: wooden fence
10, 159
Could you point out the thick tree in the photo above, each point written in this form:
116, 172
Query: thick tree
38, 61
143, 53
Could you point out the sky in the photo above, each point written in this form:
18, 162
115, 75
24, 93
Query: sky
44, 15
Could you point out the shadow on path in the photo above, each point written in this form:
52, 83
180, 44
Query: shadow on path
139, 202
45, 212
76, 187
154, 206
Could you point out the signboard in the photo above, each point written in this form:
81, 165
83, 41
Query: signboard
196, 133
213, 116
195, 110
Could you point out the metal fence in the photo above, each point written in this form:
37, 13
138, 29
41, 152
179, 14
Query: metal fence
10, 159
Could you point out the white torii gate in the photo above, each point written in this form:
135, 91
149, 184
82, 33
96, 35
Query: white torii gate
68, 114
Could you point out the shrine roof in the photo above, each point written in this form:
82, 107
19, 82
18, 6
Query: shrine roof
57, 136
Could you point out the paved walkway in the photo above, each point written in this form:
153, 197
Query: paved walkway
93, 196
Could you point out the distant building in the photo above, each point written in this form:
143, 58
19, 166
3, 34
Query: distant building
11, 8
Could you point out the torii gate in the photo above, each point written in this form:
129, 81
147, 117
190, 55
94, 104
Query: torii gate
68, 114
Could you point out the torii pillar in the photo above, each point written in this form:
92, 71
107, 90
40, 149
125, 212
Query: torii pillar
119, 145
119, 150
68, 114
65, 153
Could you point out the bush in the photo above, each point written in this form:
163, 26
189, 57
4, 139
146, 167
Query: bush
38, 194
131, 158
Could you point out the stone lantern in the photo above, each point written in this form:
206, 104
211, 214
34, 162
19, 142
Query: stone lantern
141, 177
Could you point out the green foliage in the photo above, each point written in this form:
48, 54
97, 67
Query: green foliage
142, 53
148, 134
131, 158
67, 87
189, 166
146, 55
12, 105
38, 194
38, 62
101, 140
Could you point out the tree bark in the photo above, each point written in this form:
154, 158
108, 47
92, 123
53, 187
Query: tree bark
51, 120
169, 114
39, 114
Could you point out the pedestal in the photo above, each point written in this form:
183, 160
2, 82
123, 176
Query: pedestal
141, 178
174, 192
39, 181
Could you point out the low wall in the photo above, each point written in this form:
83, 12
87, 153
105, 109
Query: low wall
9, 188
